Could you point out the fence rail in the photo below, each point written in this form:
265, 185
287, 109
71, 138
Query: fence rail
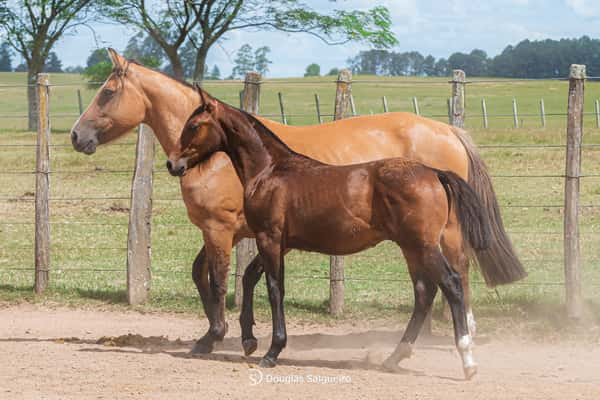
138, 248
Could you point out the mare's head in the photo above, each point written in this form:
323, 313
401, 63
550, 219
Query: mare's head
202, 136
118, 107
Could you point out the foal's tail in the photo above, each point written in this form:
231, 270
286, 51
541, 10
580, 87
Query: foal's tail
474, 223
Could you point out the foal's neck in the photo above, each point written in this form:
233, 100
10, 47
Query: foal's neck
251, 146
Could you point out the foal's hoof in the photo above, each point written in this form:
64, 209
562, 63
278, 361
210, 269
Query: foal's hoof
249, 345
203, 346
470, 372
267, 362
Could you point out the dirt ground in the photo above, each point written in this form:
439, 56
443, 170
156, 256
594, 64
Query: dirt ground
60, 353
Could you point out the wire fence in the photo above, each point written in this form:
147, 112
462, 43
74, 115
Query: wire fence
68, 164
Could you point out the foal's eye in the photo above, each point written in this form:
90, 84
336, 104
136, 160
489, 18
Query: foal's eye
194, 126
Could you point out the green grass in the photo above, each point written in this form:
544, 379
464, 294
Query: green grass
91, 234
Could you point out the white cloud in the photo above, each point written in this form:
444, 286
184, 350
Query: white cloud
585, 8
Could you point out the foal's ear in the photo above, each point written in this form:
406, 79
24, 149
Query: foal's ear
117, 60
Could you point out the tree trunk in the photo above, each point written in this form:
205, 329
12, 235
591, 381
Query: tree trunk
200, 64
31, 98
176, 64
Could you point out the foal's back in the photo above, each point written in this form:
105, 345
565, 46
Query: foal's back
346, 209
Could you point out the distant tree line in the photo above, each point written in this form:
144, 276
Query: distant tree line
528, 59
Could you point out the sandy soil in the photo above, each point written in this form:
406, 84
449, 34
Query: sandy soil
58, 353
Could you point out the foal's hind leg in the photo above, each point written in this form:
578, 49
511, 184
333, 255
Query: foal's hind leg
424, 292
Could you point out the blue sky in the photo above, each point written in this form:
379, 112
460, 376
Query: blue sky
429, 26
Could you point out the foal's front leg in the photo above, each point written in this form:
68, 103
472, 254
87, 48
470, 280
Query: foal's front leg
272, 255
251, 277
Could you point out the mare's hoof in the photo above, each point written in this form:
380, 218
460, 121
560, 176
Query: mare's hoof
267, 362
203, 346
250, 346
470, 372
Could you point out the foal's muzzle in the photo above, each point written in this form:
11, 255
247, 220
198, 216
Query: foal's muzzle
176, 169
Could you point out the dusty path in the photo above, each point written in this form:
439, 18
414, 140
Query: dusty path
39, 361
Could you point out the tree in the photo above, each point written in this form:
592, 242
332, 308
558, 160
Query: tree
215, 74
429, 66
333, 72
243, 62
261, 61
21, 68
144, 49
32, 28
5, 58
313, 70
53, 64
78, 69
170, 23
97, 56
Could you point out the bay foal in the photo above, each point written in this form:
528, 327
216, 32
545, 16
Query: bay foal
294, 202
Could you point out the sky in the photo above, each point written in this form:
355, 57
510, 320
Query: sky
434, 27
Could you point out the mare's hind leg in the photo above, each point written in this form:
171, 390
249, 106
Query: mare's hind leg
424, 291
251, 277
454, 251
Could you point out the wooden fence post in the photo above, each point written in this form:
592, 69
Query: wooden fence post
543, 113
416, 106
42, 187
245, 250
458, 98
318, 107
449, 110
352, 105
343, 97
79, 101
515, 114
484, 113
283, 117
139, 249
597, 113
385, 104
572, 175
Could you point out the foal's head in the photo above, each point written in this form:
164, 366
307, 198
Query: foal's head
202, 136
118, 107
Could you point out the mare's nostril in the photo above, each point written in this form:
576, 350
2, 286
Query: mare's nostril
74, 137
169, 165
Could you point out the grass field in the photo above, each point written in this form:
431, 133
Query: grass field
89, 235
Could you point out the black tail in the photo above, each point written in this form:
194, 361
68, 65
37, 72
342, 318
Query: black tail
499, 263
474, 224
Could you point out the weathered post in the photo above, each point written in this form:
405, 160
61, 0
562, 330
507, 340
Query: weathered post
449, 110
42, 186
385, 104
597, 113
572, 176
343, 98
543, 113
139, 248
79, 101
318, 107
245, 250
515, 114
458, 98
352, 105
283, 117
416, 106
484, 113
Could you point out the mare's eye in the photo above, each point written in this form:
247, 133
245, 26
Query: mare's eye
108, 92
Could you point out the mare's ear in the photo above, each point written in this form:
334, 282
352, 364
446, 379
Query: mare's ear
117, 60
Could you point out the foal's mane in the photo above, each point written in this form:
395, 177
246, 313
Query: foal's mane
253, 121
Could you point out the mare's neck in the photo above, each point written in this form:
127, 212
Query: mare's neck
169, 105
250, 146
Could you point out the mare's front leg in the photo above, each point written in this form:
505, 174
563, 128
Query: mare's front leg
210, 273
269, 247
